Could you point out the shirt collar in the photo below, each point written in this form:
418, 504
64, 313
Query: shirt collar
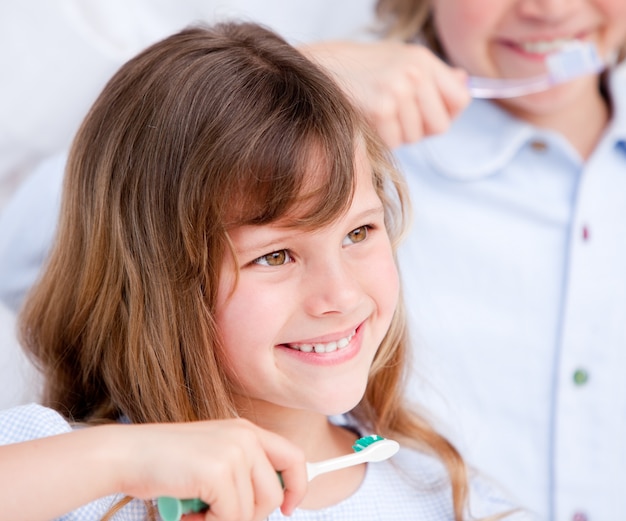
484, 138
480, 141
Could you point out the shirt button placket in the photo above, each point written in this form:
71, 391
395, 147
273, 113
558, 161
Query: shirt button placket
580, 376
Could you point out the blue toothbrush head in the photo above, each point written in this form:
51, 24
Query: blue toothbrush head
574, 60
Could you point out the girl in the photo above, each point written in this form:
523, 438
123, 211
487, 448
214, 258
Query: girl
226, 250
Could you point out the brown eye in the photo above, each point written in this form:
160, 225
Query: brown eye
276, 258
357, 235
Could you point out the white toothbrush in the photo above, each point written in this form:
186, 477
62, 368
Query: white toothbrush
576, 59
368, 449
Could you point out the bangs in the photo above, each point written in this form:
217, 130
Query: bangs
302, 179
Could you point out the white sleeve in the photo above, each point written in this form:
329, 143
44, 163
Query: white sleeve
29, 422
32, 421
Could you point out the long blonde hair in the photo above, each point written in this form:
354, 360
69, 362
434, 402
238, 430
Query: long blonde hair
209, 128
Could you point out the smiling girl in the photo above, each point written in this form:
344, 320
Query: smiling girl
227, 250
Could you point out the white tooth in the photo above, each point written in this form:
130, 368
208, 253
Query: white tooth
545, 46
343, 343
323, 348
332, 346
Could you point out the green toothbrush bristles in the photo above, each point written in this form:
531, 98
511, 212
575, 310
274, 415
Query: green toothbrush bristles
365, 442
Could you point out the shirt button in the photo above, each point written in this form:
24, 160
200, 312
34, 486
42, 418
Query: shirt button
538, 146
580, 378
585, 233
579, 516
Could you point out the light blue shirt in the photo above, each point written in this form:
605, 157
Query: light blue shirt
515, 276
409, 486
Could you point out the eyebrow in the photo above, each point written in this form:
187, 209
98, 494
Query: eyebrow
374, 211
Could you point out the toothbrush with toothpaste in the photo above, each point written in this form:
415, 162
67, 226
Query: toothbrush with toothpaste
574, 60
368, 449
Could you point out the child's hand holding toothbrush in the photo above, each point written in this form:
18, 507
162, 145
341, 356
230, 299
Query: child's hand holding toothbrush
230, 464
405, 90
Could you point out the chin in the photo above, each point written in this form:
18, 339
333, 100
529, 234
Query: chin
341, 405
548, 103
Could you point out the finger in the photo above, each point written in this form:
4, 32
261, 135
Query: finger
442, 99
384, 117
268, 490
435, 115
229, 500
245, 495
407, 120
289, 460
454, 90
390, 132
295, 489
232, 495
410, 121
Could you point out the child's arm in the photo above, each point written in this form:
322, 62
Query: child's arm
405, 90
229, 464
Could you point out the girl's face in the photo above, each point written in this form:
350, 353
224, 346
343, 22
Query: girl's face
302, 325
510, 39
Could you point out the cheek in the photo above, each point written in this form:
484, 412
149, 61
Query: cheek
385, 282
464, 28
612, 9
615, 34
246, 322
228, 315
238, 316
250, 319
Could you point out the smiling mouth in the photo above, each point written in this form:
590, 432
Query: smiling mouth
546, 46
327, 347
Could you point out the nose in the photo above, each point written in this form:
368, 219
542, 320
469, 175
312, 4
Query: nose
331, 287
551, 11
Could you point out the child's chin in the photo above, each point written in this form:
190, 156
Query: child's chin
342, 405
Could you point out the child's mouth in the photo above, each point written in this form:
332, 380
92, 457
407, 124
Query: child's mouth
542, 46
326, 347
545, 46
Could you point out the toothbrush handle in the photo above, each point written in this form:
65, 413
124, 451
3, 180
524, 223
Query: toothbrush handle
492, 88
172, 509
322, 467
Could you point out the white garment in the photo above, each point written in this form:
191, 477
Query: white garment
410, 486
515, 276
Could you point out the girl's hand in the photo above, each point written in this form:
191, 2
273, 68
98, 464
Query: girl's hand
230, 464
404, 89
